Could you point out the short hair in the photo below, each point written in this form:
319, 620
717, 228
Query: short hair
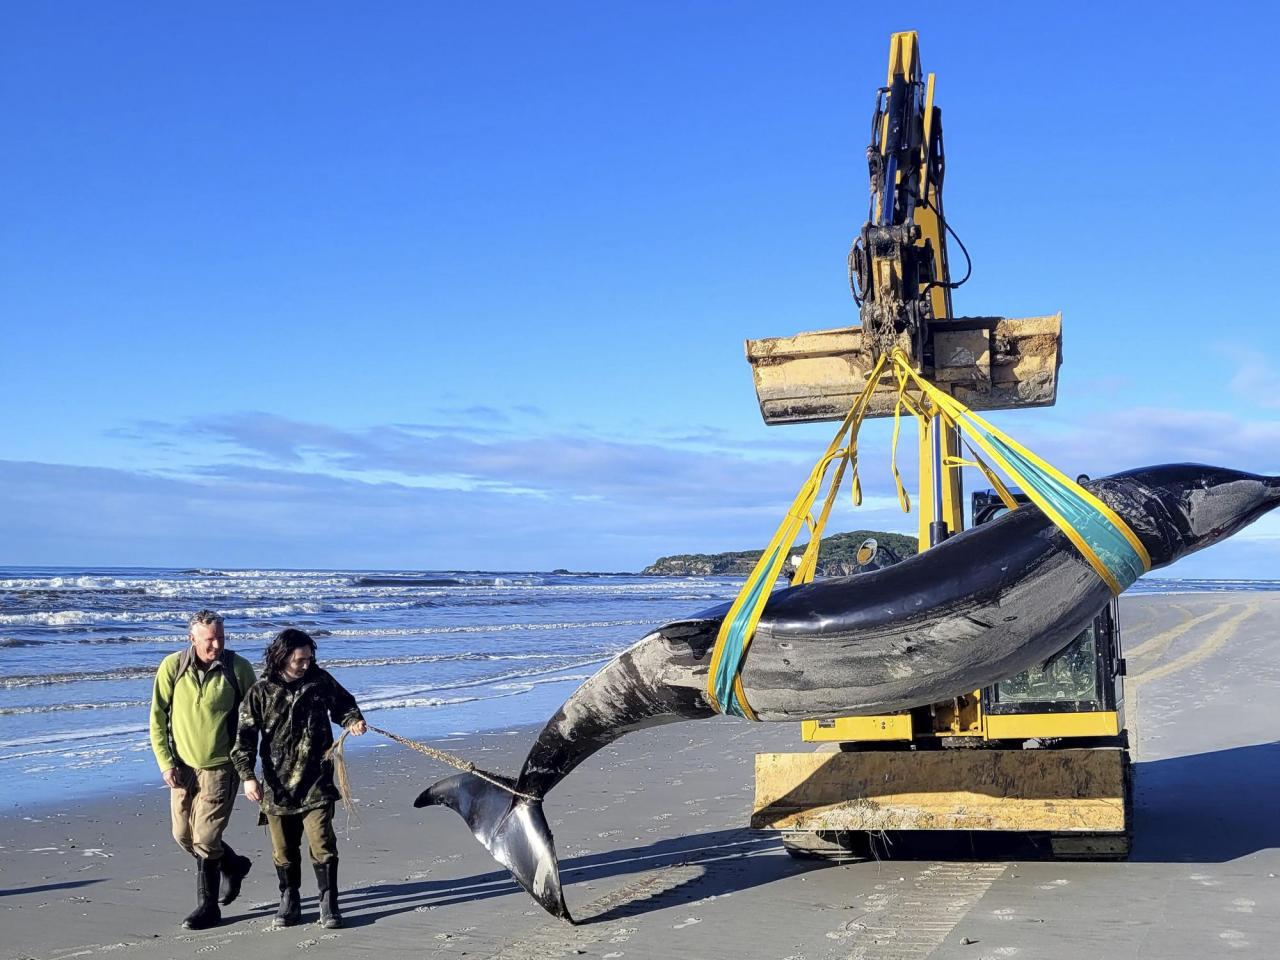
282, 645
204, 618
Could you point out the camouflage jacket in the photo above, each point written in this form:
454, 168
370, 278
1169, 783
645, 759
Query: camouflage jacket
288, 725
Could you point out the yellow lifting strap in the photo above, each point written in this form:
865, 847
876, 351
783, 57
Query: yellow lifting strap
1101, 536
724, 682
1098, 532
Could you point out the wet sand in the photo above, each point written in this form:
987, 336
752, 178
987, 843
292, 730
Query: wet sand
657, 862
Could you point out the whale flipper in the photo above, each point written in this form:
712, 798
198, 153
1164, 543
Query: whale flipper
511, 828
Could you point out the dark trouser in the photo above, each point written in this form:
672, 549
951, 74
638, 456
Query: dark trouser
286, 836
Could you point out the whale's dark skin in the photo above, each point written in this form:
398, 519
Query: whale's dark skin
981, 606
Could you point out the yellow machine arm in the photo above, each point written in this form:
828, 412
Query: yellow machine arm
898, 265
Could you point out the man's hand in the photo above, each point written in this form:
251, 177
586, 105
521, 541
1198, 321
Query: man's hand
252, 792
357, 729
173, 778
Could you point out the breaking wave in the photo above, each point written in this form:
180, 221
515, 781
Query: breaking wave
62, 707
67, 618
79, 647
408, 582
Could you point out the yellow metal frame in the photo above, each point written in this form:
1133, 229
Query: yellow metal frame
992, 726
963, 716
1025, 726
893, 726
1073, 791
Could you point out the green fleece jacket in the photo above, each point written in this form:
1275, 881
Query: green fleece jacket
193, 712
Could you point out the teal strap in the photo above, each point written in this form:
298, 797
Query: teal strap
734, 648
1111, 546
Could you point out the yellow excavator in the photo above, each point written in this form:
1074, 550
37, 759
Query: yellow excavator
1044, 752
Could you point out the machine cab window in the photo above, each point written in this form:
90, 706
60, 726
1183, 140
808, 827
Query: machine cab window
1079, 678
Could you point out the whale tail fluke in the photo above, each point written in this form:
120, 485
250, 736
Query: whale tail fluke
512, 829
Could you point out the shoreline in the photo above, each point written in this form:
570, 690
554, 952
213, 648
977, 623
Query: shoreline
657, 860
104, 752
126, 769
137, 789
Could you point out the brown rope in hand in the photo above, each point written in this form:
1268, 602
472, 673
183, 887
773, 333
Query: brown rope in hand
335, 754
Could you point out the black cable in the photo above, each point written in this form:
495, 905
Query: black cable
853, 280
968, 272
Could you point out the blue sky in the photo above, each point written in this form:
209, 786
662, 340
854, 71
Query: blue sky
432, 286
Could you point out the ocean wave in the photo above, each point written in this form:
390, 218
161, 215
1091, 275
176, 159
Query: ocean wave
237, 638
69, 618
393, 703
74, 618
1166, 585
148, 671
528, 684
77, 676
234, 638
84, 582
84, 756
489, 628
469, 656
69, 736
267, 574
54, 593
511, 683
62, 707
419, 689
251, 589
125, 638
408, 582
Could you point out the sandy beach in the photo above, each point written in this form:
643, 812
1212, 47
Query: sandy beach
657, 861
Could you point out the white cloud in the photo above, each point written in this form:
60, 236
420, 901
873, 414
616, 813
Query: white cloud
257, 488
1255, 381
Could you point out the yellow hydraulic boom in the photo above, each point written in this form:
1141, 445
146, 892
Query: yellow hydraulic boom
900, 275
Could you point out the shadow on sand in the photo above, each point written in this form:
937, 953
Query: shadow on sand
1209, 807
46, 887
717, 862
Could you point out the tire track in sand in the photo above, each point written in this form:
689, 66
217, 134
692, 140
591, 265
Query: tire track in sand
913, 921
1211, 645
1155, 646
559, 939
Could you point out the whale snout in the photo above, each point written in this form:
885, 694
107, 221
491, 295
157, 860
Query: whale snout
1223, 503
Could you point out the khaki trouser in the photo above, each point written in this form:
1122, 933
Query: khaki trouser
201, 808
286, 836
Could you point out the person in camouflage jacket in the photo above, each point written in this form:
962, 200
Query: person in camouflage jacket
286, 719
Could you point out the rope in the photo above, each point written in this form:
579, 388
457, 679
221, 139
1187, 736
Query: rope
466, 766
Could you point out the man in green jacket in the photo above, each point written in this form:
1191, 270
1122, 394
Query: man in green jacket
194, 705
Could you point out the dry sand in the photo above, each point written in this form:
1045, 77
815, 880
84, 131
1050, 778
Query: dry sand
657, 862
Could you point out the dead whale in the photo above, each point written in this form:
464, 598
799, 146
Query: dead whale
977, 608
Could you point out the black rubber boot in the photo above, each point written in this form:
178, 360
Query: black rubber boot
327, 881
234, 869
290, 912
206, 913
